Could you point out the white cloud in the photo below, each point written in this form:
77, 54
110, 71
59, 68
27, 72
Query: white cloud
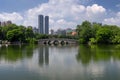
115, 20
14, 17
62, 13
95, 9
68, 12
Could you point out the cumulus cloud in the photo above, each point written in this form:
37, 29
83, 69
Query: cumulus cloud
115, 20
65, 13
14, 17
62, 13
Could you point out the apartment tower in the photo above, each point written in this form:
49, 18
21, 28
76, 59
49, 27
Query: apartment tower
43, 24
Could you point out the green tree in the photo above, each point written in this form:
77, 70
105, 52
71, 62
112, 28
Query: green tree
85, 31
15, 35
104, 35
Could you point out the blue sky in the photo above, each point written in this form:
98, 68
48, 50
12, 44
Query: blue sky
22, 5
109, 4
18, 5
63, 13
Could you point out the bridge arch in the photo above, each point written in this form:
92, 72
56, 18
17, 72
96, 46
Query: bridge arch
49, 42
55, 42
45, 42
62, 42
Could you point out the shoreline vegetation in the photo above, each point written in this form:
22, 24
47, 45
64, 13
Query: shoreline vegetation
96, 33
14, 34
87, 33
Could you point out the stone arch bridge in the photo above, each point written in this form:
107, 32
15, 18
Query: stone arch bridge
57, 41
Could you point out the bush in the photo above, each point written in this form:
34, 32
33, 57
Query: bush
93, 41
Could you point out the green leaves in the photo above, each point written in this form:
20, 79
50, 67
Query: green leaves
15, 35
104, 35
98, 33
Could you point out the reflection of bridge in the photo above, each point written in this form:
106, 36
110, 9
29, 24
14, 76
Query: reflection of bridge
57, 41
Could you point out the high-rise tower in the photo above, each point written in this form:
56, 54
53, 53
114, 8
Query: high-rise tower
46, 24
41, 24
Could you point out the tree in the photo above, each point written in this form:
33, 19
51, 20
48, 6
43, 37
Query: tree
15, 35
85, 31
29, 33
104, 35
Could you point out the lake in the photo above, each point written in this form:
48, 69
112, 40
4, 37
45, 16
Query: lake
83, 62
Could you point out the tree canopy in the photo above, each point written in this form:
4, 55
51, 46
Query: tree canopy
98, 33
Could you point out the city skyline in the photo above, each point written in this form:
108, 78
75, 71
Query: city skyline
63, 14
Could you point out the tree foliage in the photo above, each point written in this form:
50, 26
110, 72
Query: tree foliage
15, 33
98, 33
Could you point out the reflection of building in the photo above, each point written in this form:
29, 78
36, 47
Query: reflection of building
44, 56
43, 24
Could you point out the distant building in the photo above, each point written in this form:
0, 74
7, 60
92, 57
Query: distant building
35, 30
52, 32
61, 32
8, 22
46, 24
43, 24
74, 33
67, 32
0, 23
5, 23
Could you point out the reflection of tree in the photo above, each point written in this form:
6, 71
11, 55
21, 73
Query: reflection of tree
84, 54
97, 53
44, 55
14, 52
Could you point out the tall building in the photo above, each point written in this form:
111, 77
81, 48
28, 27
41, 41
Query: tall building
41, 24
0, 23
46, 24
5, 23
8, 22
52, 32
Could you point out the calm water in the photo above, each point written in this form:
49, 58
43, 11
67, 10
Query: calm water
60, 63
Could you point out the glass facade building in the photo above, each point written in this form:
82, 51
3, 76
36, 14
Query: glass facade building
43, 24
46, 24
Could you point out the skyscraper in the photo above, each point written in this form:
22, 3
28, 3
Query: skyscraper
0, 23
46, 24
41, 24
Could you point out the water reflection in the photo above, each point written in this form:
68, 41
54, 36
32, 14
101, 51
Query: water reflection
84, 62
88, 53
43, 56
15, 53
